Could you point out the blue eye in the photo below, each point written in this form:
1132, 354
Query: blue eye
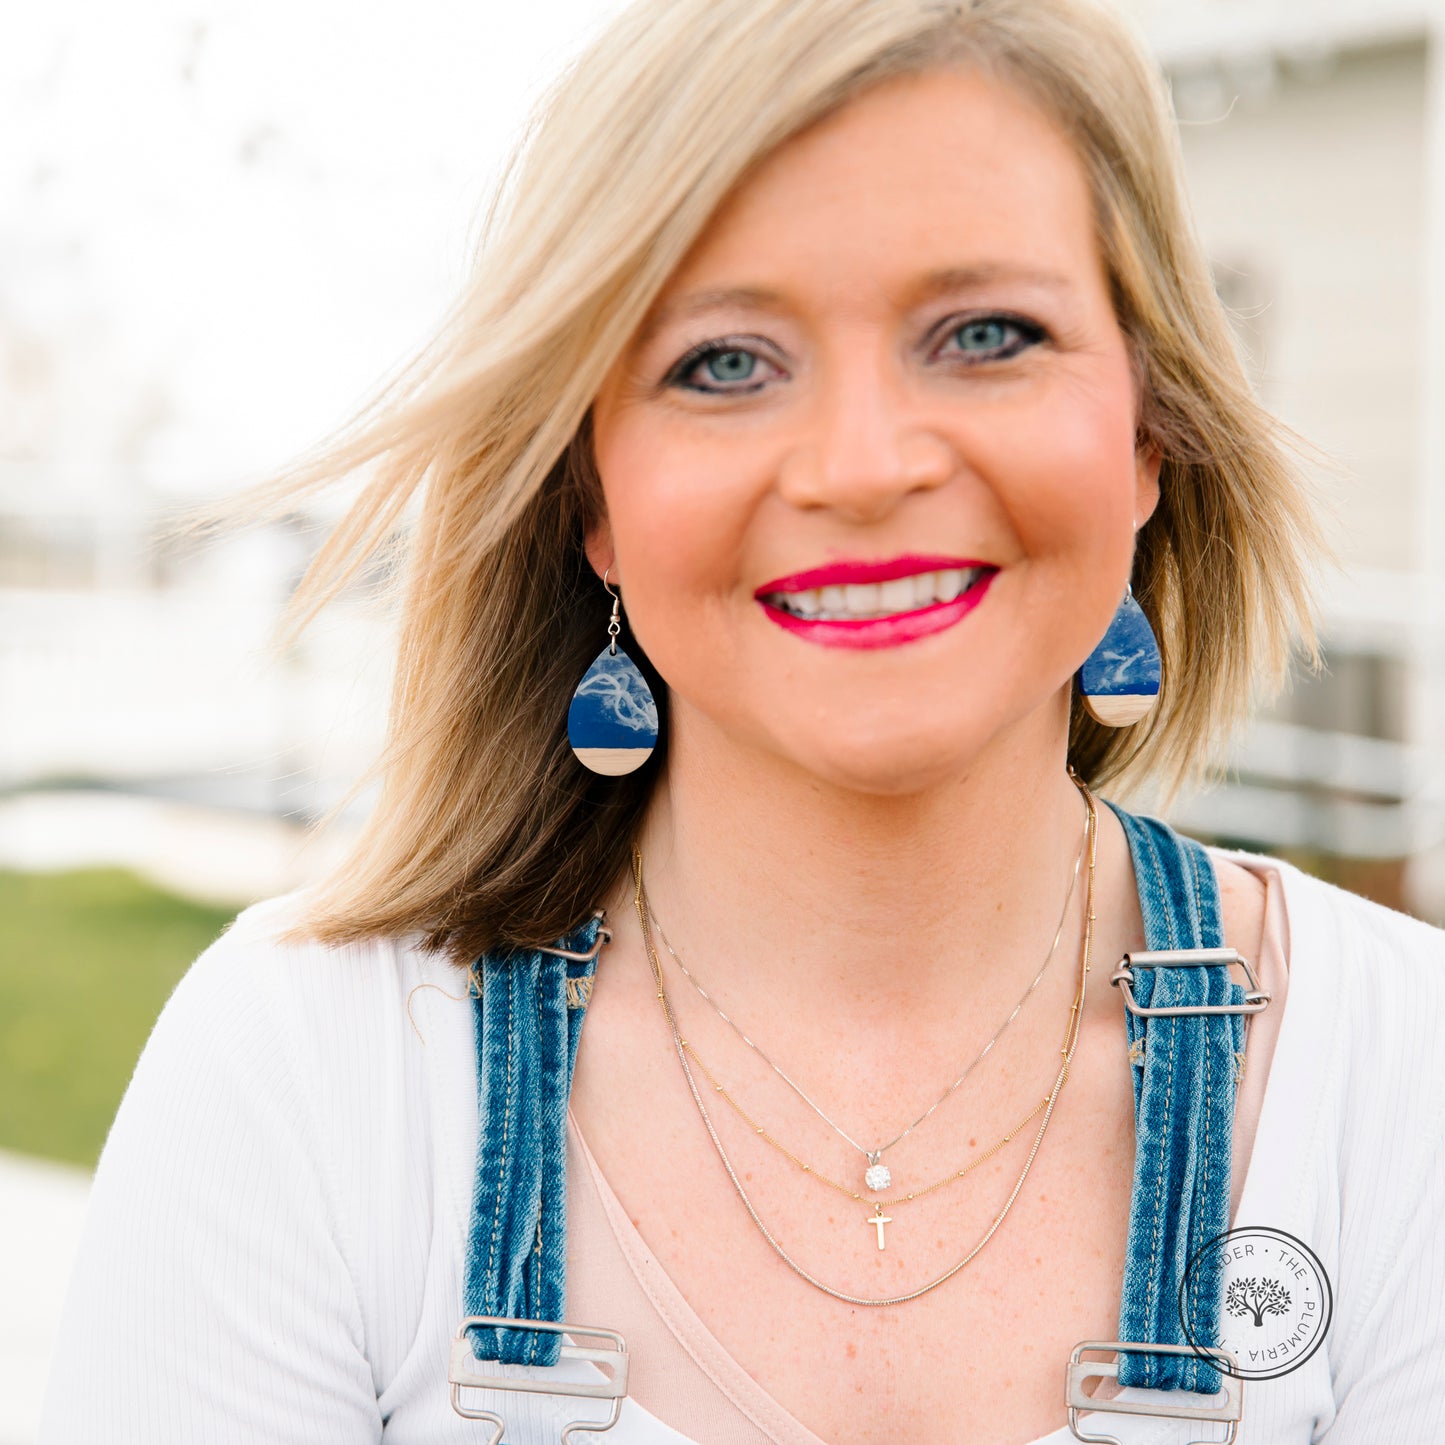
730, 365
718, 368
982, 335
993, 338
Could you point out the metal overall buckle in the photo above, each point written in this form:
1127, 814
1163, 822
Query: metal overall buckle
1256, 999
465, 1370
579, 990
604, 936
1227, 1409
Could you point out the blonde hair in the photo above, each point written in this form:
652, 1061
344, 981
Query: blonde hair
487, 831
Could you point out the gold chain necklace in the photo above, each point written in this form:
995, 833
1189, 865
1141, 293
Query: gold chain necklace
639, 900
877, 1175
879, 1205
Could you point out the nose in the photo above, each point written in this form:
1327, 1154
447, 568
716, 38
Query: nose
865, 444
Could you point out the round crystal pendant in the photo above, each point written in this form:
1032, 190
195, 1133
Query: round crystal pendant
877, 1176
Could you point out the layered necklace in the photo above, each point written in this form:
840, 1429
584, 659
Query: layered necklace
880, 1218
877, 1176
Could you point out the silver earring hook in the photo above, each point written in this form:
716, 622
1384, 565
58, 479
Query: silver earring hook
614, 624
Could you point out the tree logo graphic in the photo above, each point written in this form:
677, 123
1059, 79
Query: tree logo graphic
1274, 1300
1257, 1297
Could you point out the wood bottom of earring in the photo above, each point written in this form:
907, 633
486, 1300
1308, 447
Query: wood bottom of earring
613, 762
1119, 710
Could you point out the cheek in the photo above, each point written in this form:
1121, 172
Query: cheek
1064, 473
1073, 494
679, 512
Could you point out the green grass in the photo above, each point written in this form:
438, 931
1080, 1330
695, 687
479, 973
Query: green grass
86, 961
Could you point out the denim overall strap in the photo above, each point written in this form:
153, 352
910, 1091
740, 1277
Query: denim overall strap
529, 1009
1185, 1070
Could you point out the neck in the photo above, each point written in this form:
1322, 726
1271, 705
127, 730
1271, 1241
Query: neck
842, 906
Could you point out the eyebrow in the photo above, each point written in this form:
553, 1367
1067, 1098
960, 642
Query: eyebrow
695, 303
969, 278
926, 288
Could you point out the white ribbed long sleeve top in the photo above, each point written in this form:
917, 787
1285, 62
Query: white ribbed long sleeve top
275, 1241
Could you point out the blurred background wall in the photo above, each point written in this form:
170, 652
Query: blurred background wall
1315, 143
221, 225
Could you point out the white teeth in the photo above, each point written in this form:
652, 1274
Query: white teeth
858, 601
953, 583
862, 599
897, 595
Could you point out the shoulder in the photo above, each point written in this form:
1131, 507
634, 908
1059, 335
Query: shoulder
1355, 931
258, 954
332, 1036
265, 1195
1366, 981
336, 1083
260, 967
1373, 928
1371, 942
1242, 900
1388, 969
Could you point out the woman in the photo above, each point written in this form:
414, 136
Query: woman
854, 358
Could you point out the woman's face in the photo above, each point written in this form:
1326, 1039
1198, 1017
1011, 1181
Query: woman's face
889, 370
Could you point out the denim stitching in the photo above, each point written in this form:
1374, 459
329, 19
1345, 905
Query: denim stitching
1156, 884
1176, 937
1161, 901
1153, 884
506, 1128
1194, 1369
1161, 898
541, 1207
1198, 896
1215, 1027
1150, 1297
1191, 858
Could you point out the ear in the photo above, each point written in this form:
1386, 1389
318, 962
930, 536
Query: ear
598, 546
1148, 459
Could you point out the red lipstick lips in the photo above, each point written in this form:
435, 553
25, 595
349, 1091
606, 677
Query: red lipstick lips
858, 611
841, 573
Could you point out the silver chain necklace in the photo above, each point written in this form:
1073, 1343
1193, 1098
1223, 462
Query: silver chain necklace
876, 1175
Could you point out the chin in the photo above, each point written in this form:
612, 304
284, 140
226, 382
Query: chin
889, 766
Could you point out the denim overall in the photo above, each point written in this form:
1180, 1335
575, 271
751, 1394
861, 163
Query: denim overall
1185, 1036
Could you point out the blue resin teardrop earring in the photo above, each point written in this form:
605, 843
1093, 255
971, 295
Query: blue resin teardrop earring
612, 722
1119, 681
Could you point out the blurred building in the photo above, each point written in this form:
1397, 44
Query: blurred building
132, 659
1314, 135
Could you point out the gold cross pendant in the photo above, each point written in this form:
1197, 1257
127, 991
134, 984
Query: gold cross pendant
878, 1221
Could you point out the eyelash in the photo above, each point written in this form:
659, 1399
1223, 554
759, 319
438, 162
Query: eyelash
696, 355
1030, 333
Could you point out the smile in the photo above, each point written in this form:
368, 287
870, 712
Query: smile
876, 604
